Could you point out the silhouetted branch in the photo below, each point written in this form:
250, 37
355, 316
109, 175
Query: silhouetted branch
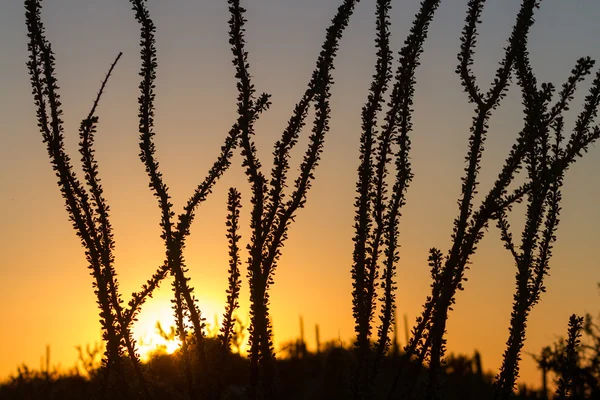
233, 291
409, 61
544, 158
270, 216
565, 382
77, 203
364, 268
105, 238
467, 234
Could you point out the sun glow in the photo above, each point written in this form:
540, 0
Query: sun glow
150, 339
154, 330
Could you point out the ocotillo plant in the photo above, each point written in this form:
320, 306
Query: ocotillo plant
175, 234
89, 211
546, 160
469, 225
377, 215
86, 207
233, 291
448, 272
272, 213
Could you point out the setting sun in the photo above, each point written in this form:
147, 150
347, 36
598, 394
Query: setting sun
158, 315
151, 344
146, 331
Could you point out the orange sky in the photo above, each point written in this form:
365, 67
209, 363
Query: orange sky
45, 290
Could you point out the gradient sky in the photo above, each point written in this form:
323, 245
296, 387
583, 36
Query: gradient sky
45, 289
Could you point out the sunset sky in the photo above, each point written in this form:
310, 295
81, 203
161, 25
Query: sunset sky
46, 294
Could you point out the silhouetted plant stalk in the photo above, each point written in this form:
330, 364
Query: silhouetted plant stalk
468, 227
377, 215
423, 325
545, 159
233, 290
174, 235
428, 340
364, 271
271, 213
183, 308
106, 239
402, 97
565, 388
430, 327
88, 212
